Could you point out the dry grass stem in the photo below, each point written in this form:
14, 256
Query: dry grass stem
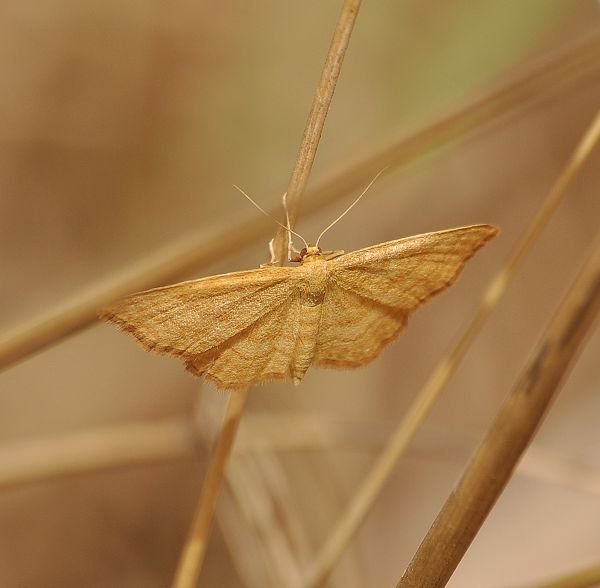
586, 578
562, 72
260, 510
553, 468
111, 447
167, 264
316, 118
259, 435
291, 431
192, 557
245, 515
194, 549
242, 542
558, 74
275, 479
494, 462
369, 490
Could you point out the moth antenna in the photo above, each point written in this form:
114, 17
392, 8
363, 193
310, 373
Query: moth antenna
271, 216
349, 207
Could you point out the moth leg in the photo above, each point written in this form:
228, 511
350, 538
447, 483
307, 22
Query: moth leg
333, 254
272, 261
291, 248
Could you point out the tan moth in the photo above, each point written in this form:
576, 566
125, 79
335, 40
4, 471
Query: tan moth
333, 310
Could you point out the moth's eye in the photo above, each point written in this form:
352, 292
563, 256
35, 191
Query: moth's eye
303, 252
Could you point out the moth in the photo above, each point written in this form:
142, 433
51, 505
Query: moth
334, 309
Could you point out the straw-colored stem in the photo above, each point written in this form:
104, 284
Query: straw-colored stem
163, 266
193, 251
259, 509
585, 578
316, 119
494, 462
369, 490
562, 71
133, 444
169, 440
553, 468
192, 556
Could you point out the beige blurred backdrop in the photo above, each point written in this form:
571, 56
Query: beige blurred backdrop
123, 126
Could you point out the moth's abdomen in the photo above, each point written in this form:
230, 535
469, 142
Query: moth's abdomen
306, 343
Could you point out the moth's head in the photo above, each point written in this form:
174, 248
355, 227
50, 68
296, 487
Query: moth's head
310, 251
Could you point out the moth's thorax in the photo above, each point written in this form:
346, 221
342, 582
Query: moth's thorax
313, 269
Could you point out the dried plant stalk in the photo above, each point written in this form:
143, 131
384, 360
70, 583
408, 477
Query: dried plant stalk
494, 462
194, 549
566, 67
169, 440
242, 541
109, 447
316, 119
369, 490
586, 578
553, 468
259, 509
196, 249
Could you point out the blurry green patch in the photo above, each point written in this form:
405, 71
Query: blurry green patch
438, 53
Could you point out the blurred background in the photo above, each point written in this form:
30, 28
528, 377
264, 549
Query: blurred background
122, 128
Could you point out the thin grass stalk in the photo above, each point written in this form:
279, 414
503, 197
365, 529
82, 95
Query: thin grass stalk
242, 541
172, 440
29, 462
275, 479
192, 556
196, 249
169, 440
369, 490
194, 549
316, 119
258, 509
494, 462
255, 511
560, 71
551, 467
588, 577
